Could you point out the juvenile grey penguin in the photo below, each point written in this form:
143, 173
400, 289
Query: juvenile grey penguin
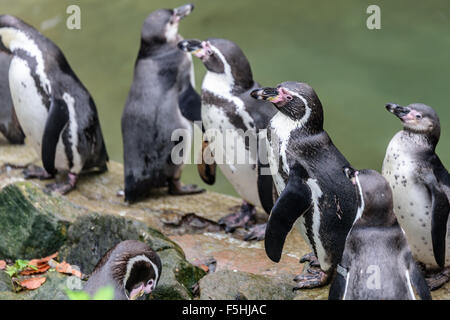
161, 100
228, 107
9, 125
314, 193
377, 263
54, 109
421, 187
132, 268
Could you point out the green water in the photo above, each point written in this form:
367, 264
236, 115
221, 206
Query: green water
354, 70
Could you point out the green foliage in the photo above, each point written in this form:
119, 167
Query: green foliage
18, 267
105, 293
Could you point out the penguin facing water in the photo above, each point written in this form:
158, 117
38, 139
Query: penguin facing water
421, 188
9, 125
161, 100
227, 106
314, 193
132, 268
377, 263
54, 109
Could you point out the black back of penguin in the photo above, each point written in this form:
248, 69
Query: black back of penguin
377, 263
62, 83
9, 125
161, 100
131, 267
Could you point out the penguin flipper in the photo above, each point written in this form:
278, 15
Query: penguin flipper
292, 203
337, 288
265, 187
439, 216
265, 181
417, 280
207, 171
190, 104
57, 119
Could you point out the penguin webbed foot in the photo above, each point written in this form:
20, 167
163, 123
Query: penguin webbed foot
314, 277
245, 216
437, 280
63, 187
35, 172
176, 188
256, 232
311, 258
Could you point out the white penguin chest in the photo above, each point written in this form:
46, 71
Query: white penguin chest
236, 162
29, 107
412, 203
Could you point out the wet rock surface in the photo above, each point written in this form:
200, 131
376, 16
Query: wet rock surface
184, 230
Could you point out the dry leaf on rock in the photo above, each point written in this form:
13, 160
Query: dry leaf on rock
32, 283
2, 264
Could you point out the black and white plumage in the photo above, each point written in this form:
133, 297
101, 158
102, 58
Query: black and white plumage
314, 193
420, 184
161, 100
132, 268
227, 105
377, 263
9, 125
54, 109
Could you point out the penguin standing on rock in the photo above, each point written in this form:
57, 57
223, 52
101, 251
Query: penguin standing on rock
9, 125
227, 106
421, 188
314, 193
161, 100
377, 263
54, 109
132, 268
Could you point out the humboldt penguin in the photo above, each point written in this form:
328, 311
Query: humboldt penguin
377, 263
228, 111
132, 268
54, 109
421, 188
314, 193
161, 101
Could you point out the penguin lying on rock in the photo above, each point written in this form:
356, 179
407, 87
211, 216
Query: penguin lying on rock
9, 125
377, 263
227, 106
54, 109
421, 188
161, 100
314, 193
132, 268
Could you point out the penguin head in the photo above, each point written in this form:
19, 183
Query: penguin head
222, 57
295, 99
15, 34
374, 194
136, 268
418, 118
161, 26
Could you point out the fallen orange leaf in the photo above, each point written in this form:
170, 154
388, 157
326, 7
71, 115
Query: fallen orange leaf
32, 283
66, 268
41, 269
43, 261
2, 264
204, 267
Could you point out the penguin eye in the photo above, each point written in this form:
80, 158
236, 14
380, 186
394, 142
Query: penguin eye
289, 98
418, 116
150, 283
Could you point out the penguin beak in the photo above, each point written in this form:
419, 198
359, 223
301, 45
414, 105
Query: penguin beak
183, 11
138, 292
200, 49
278, 96
403, 113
